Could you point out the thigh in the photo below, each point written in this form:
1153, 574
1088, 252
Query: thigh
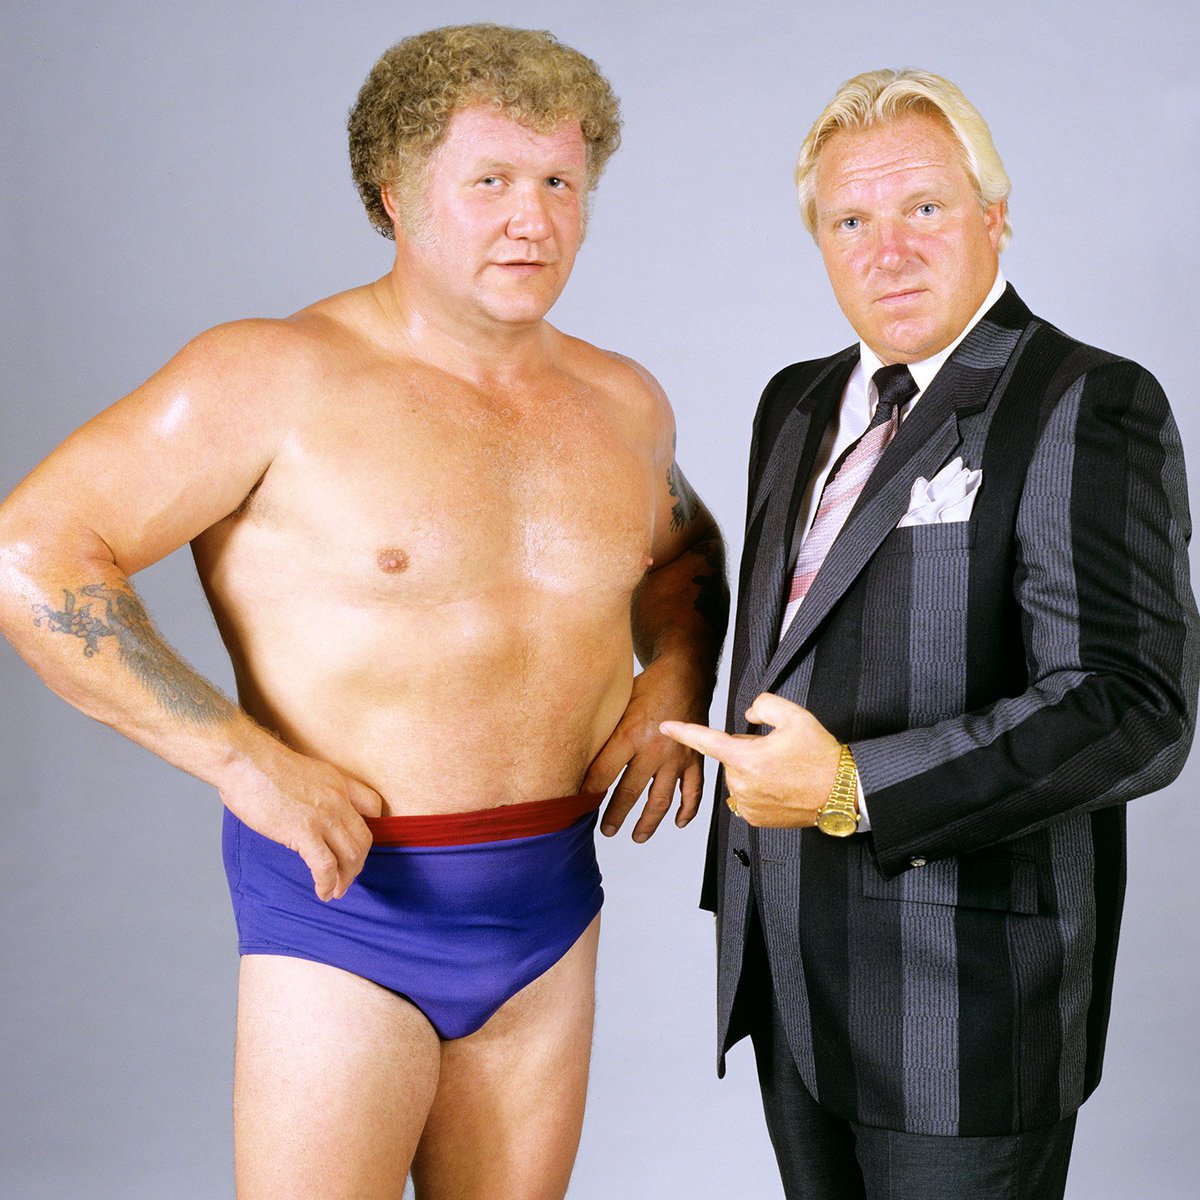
333, 1081
509, 1106
909, 1166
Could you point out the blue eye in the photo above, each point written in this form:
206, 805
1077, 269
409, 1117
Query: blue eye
556, 183
927, 209
851, 223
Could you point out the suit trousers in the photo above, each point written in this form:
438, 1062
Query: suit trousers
824, 1157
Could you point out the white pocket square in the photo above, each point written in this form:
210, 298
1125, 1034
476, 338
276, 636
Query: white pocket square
947, 497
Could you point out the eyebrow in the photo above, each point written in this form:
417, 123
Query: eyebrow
917, 196
496, 164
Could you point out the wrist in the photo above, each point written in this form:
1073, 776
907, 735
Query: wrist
839, 815
245, 756
681, 659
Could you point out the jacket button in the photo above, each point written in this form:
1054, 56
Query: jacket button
742, 857
916, 862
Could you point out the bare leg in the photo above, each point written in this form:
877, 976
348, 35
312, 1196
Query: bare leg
334, 1079
509, 1106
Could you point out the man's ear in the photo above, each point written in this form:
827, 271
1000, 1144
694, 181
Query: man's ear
389, 202
993, 219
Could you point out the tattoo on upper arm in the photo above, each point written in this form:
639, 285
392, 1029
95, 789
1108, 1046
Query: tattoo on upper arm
172, 683
686, 503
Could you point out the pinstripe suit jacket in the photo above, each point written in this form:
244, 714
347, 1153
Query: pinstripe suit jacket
1006, 684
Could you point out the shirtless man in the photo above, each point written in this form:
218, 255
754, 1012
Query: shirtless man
422, 517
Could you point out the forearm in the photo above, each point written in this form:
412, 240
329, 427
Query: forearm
681, 610
79, 623
1070, 745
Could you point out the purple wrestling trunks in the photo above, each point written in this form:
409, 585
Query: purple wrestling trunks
457, 929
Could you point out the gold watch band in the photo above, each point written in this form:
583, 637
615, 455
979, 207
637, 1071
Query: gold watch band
838, 816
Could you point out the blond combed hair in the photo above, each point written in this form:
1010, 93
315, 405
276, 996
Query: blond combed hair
405, 105
879, 97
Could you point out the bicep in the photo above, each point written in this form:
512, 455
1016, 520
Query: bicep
681, 519
153, 470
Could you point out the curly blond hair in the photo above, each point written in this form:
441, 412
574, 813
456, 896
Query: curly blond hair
405, 106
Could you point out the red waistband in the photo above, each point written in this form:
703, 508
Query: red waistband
485, 825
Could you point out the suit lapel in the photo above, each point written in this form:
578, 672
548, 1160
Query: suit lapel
777, 500
925, 441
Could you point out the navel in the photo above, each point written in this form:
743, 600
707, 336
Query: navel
391, 559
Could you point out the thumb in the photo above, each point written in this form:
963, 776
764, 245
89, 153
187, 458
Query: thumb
769, 709
366, 801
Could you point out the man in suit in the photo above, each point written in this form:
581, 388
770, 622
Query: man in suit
965, 638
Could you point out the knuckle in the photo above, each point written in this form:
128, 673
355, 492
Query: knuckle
321, 860
622, 739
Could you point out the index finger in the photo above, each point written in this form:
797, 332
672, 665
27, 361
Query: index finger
712, 742
323, 865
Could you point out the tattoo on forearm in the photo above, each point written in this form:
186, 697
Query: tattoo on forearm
172, 683
78, 622
712, 599
686, 503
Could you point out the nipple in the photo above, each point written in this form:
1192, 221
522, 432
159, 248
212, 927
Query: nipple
391, 559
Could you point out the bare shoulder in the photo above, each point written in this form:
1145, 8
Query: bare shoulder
253, 362
252, 379
609, 369
626, 381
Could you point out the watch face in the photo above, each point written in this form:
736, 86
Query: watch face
836, 824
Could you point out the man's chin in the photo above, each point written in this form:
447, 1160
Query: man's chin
907, 342
521, 309
517, 315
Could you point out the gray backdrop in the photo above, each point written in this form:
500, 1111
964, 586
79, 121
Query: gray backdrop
166, 167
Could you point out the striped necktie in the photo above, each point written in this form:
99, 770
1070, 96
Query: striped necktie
896, 388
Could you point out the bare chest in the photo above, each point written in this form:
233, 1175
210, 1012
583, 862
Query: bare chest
423, 498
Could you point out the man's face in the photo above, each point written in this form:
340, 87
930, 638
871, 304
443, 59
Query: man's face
910, 253
500, 221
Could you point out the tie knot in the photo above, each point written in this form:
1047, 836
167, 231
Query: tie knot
896, 387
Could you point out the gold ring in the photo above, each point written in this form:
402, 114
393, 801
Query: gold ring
732, 804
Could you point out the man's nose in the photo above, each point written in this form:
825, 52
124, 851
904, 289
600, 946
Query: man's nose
529, 220
891, 244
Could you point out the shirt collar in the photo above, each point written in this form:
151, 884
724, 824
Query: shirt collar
924, 371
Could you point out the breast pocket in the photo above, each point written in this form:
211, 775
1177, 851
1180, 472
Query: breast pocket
938, 540
915, 610
929, 563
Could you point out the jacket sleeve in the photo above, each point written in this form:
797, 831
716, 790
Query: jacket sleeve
1109, 631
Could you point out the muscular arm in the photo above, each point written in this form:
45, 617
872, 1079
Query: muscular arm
682, 608
679, 616
135, 483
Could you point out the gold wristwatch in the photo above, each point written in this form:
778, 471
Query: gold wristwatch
838, 816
